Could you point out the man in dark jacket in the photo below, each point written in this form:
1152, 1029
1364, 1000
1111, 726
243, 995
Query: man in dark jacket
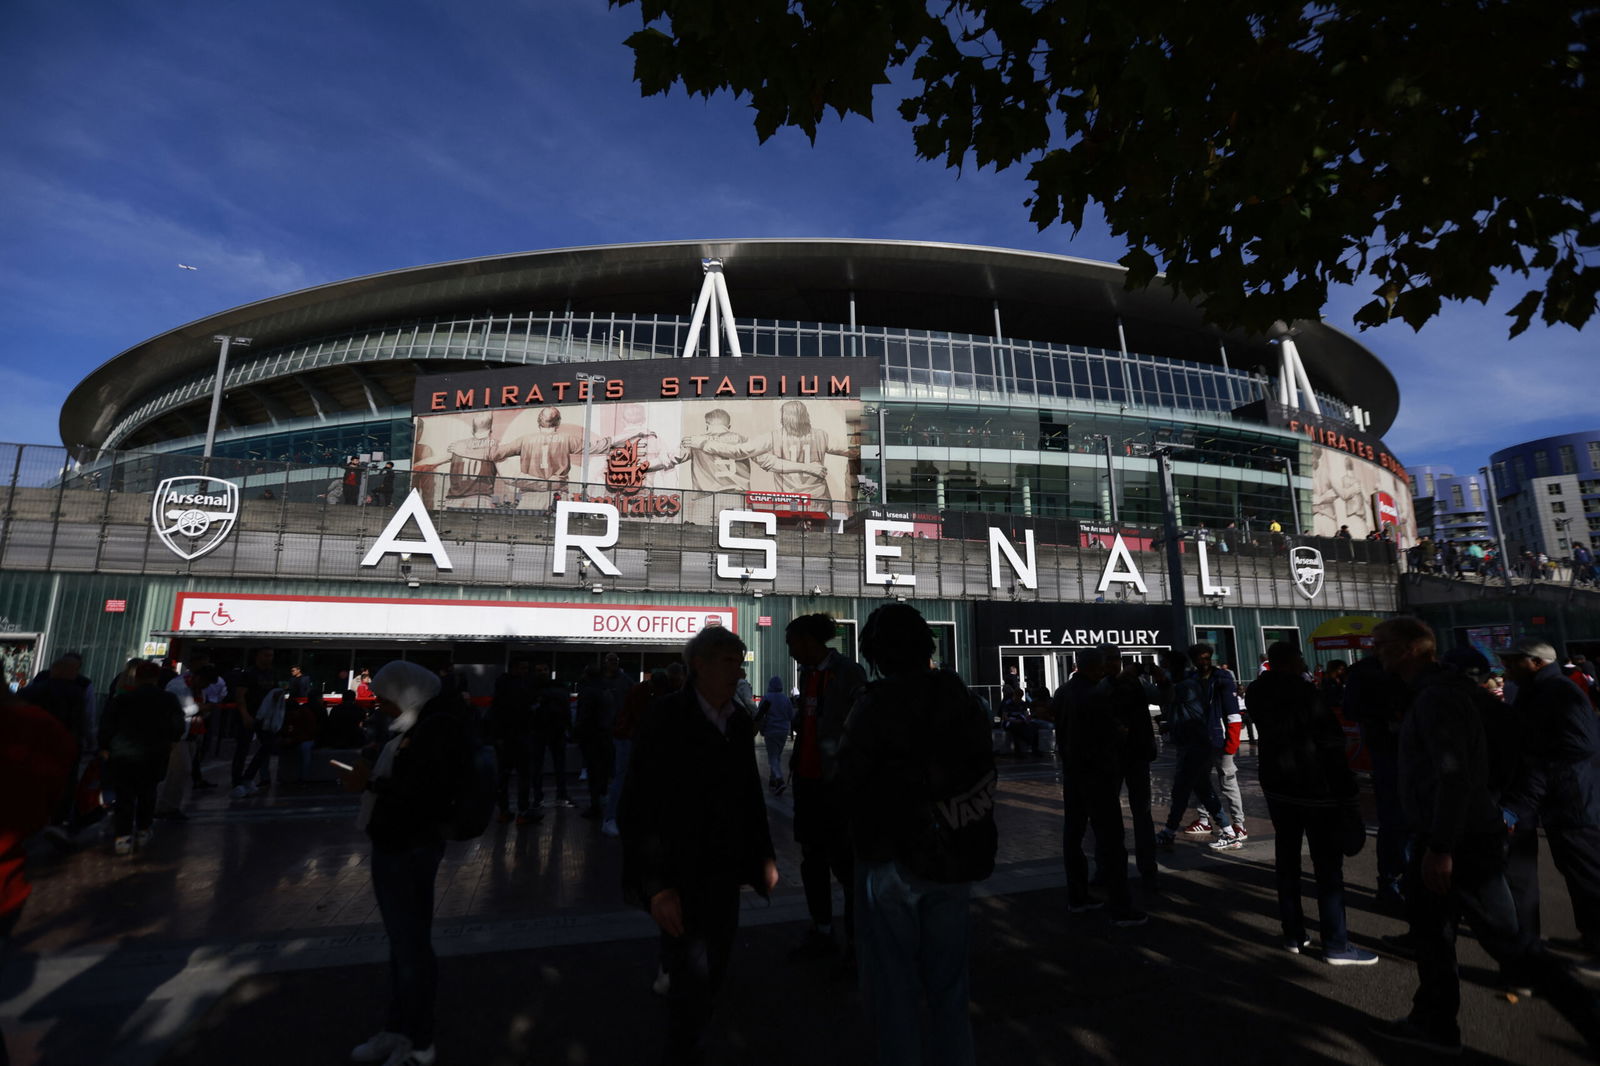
1186, 715
1090, 742
694, 830
552, 721
406, 799
916, 742
1310, 795
1457, 858
136, 737
829, 684
511, 729
1557, 788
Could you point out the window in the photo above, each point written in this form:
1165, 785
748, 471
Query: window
1558, 508
1569, 462
1594, 455
1541, 463
1456, 500
1553, 489
1477, 497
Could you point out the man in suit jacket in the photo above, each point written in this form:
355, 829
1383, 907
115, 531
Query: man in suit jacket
694, 830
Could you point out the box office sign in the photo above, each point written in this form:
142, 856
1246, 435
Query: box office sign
329, 616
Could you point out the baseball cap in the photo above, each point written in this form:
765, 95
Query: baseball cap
1532, 647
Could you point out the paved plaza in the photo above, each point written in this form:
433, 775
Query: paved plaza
248, 935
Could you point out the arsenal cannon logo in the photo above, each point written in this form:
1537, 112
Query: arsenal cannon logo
1305, 566
193, 515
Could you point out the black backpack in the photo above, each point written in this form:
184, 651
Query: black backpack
952, 758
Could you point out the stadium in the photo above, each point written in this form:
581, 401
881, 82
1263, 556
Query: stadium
618, 444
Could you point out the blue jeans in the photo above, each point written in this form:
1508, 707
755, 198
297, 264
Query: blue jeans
1191, 775
619, 771
1321, 827
403, 883
775, 744
911, 944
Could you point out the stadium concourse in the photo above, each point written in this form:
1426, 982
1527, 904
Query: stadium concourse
248, 935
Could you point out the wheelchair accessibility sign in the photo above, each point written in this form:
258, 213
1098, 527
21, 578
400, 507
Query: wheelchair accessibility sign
194, 515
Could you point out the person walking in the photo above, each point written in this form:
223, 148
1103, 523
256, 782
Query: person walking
405, 800
829, 684
694, 830
592, 730
511, 729
1186, 714
1091, 750
917, 743
1219, 694
136, 737
1557, 789
552, 722
775, 719
1311, 798
1457, 859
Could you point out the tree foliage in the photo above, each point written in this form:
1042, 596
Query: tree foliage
1255, 152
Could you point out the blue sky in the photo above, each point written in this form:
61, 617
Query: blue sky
285, 144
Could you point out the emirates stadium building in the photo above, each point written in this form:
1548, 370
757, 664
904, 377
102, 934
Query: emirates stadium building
551, 451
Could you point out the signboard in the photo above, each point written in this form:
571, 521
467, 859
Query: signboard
1053, 626
1307, 569
326, 616
659, 439
1384, 506
116, 606
193, 515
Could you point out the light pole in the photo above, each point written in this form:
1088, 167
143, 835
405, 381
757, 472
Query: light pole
594, 381
216, 388
1169, 534
1499, 528
1294, 495
1111, 480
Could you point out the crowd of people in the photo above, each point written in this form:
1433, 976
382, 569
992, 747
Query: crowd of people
893, 783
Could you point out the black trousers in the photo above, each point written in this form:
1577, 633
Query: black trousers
514, 755
1136, 776
822, 830
136, 783
557, 747
1479, 893
697, 962
1095, 799
1576, 854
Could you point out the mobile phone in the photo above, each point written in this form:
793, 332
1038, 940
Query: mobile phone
340, 765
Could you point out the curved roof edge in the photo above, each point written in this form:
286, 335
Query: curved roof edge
1040, 296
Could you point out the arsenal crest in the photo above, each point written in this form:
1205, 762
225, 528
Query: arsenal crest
1305, 566
193, 515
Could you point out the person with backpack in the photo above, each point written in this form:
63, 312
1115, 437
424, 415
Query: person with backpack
1556, 788
1311, 798
918, 766
775, 719
1457, 856
136, 737
1219, 694
1191, 766
694, 831
408, 800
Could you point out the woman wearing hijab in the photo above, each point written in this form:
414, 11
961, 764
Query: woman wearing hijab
406, 798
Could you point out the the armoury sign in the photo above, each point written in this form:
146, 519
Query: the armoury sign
193, 515
656, 439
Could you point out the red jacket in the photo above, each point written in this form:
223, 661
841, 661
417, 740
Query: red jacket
37, 754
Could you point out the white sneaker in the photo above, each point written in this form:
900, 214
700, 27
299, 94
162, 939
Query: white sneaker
1227, 841
412, 1056
381, 1047
662, 983
239, 792
123, 846
610, 829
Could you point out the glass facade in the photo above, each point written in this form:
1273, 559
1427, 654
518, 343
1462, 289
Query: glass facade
916, 363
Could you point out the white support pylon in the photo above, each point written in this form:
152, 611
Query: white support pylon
713, 303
